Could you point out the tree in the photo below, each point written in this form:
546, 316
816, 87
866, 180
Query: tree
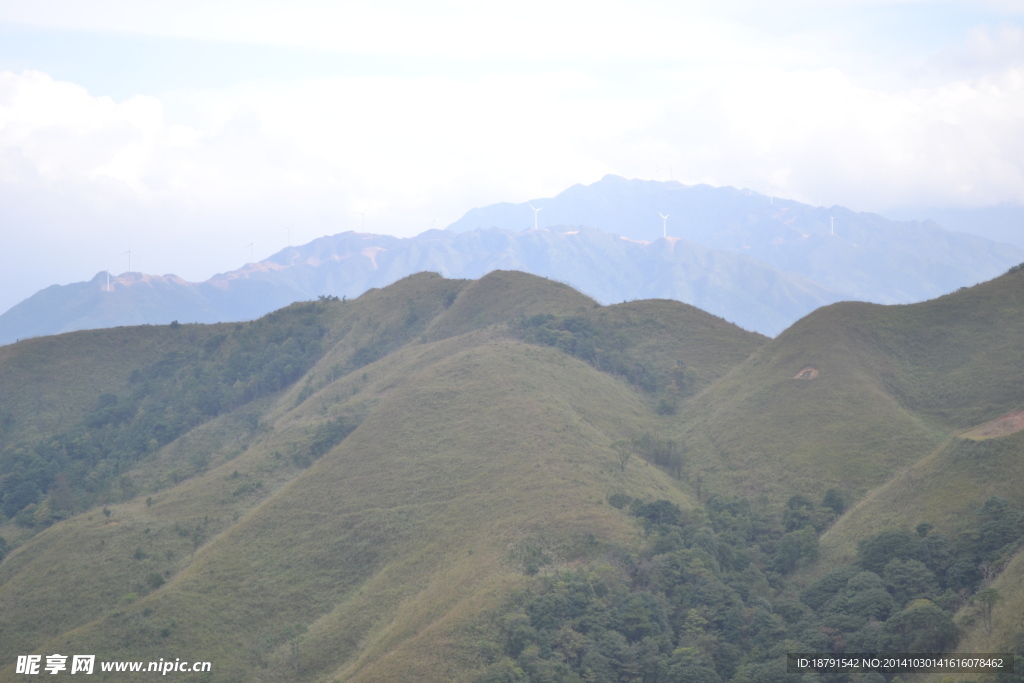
909, 580
798, 513
963, 574
834, 499
619, 500
17, 493
1000, 524
569, 643
988, 597
293, 634
876, 552
623, 450
865, 596
690, 665
921, 627
658, 512
796, 546
820, 591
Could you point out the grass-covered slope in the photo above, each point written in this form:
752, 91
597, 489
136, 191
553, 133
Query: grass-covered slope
501, 296
355, 490
47, 383
855, 392
943, 489
420, 514
948, 489
354, 523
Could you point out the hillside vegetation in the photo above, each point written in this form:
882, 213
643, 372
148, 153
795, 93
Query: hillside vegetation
856, 392
502, 480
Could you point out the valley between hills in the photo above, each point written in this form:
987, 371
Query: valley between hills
503, 480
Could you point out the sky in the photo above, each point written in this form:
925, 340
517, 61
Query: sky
200, 135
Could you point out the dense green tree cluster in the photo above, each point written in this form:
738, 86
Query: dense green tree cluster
710, 597
608, 351
160, 402
665, 453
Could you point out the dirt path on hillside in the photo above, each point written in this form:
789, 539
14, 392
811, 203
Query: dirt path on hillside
1008, 424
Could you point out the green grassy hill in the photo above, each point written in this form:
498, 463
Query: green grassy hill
855, 393
48, 382
268, 538
450, 480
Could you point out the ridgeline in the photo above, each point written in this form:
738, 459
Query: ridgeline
501, 479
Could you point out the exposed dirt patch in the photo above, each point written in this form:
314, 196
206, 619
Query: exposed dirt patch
1008, 424
807, 372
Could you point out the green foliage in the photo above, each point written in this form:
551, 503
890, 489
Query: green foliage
165, 399
658, 512
693, 611
999, 525
987, 598
20, 488
799, 513
622, 345
619, 500
330, 434
690, 594
909, 580
820, 591
874, 553
503, 671
797, 547
665, 453
921, 627
835, 501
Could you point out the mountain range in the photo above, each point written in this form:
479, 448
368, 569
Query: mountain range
502, 479
761, 262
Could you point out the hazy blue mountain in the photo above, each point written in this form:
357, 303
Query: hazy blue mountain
757, 261
1003, 223
869, 257
608, 267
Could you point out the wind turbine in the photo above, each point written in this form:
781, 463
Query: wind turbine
129, 252
535, 212
664, 224
833, 224
250, 245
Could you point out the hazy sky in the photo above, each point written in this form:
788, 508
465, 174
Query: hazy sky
188, 131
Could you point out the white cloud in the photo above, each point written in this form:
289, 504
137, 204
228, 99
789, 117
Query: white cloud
1000, 48
404, 150
700, 93
818, 136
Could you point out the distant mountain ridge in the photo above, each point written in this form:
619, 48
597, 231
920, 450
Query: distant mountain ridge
609, 268
758, 261
862, 256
